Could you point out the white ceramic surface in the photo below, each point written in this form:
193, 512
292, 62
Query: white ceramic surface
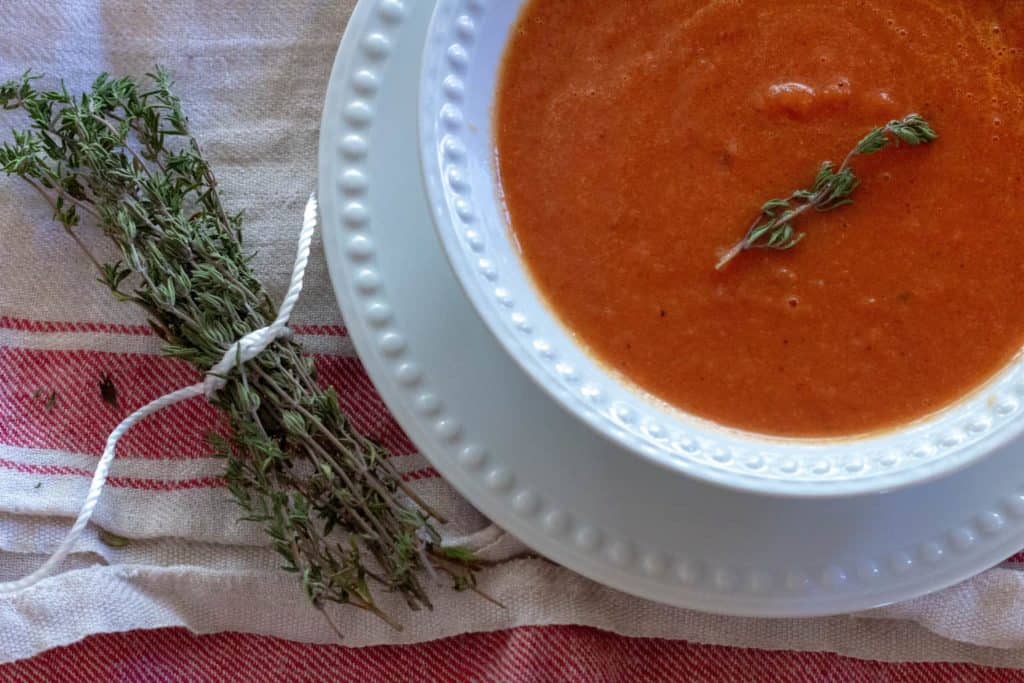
536, 470
461, 61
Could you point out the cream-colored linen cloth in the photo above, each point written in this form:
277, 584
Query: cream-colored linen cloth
253, 75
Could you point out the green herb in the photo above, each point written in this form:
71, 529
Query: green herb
831, 189
112, 540
120, 159
108, 392
49, 402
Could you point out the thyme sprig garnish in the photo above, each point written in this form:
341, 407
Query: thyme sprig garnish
831, 189
120, 158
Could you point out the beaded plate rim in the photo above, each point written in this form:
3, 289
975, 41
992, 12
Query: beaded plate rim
983, 537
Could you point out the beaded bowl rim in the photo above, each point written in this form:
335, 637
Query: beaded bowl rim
360, 234
514, 311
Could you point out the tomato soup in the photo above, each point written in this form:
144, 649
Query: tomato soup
638, 140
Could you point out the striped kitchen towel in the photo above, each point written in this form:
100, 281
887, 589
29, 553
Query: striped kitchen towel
165, 549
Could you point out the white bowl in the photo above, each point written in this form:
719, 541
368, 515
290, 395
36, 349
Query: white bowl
461, 63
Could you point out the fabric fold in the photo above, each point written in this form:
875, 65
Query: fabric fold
253, 77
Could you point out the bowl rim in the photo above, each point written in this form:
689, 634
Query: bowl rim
439, 48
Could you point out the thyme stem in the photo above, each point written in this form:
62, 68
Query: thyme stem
773, 228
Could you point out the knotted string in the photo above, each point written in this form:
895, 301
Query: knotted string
242, 351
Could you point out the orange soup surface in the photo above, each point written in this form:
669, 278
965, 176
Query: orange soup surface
638, 140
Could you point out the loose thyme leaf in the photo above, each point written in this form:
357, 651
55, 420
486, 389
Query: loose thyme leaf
108, 392
112, 540
49, 399
831, 189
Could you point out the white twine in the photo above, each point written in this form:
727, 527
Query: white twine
242, 351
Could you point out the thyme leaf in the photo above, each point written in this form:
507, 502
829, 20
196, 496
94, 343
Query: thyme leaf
108, 392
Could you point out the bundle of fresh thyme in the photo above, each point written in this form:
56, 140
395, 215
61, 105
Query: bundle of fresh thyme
831, 189
120, 159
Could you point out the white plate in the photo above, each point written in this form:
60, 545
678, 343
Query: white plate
461, 66
520, 458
